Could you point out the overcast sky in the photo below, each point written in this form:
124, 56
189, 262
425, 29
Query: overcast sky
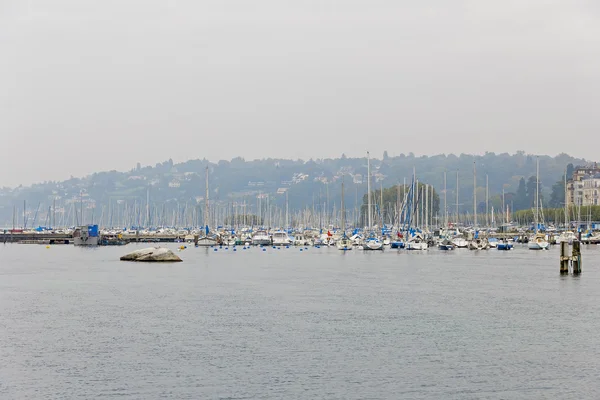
97, 85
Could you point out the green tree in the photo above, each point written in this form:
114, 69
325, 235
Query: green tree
520, 201
570, 169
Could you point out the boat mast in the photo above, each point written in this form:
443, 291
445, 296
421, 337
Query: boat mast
81, 204
426, 216
206, 202
503, 207
381, 205
457, 198
474, 197
537, 192
398, 207
487, 200
369, 191
287, 221
343, 210
566, 205
445, 204
148, 206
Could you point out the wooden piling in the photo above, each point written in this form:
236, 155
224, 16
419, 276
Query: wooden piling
576, 257
564, 258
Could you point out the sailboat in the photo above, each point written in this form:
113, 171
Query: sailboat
415, 241
371, 242
476, 243
343, 243
208, 239
538, 241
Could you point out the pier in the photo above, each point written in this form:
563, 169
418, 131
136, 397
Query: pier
63, 238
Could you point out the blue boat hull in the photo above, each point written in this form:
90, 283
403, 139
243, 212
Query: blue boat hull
504, 246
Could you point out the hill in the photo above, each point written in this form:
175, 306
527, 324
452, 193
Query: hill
176, 191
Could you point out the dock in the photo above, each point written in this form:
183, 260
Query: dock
62, 238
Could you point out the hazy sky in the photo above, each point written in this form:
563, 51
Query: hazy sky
98, 85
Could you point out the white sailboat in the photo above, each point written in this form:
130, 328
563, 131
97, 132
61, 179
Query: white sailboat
371, 242
476, 243
415, 241
343, 243
538, 240
207, 239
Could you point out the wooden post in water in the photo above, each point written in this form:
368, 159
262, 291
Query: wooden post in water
576, 258
564, 258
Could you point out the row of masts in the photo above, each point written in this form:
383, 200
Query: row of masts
134, 213
126, 213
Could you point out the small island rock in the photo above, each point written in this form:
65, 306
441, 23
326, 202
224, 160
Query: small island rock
152, 254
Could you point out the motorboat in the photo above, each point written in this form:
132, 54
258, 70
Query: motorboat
261, 238
281, 238
504, 245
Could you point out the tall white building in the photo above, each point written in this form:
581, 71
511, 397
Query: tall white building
584, 186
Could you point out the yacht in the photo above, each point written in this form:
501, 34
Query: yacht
281, 238
261, 238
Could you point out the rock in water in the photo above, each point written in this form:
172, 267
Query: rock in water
152, 254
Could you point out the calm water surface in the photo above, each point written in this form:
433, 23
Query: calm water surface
285, 324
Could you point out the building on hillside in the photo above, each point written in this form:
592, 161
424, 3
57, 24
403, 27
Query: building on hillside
583, 188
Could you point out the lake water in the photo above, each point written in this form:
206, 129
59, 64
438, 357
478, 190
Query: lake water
284, 324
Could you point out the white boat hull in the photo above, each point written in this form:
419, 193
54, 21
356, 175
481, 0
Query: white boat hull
416, 246
460, 243
373, 245
538, 245
207, 242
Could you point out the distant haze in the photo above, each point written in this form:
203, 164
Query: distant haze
97, 85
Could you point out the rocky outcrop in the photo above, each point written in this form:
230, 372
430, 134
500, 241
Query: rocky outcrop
152, 254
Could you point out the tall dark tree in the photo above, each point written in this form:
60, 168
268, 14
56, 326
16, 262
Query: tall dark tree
531, 189
520, 201
570, 169
557, 197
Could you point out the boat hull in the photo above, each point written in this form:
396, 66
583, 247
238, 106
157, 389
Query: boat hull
207, 242
504, 246
373, 245
344, 244
416, 246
